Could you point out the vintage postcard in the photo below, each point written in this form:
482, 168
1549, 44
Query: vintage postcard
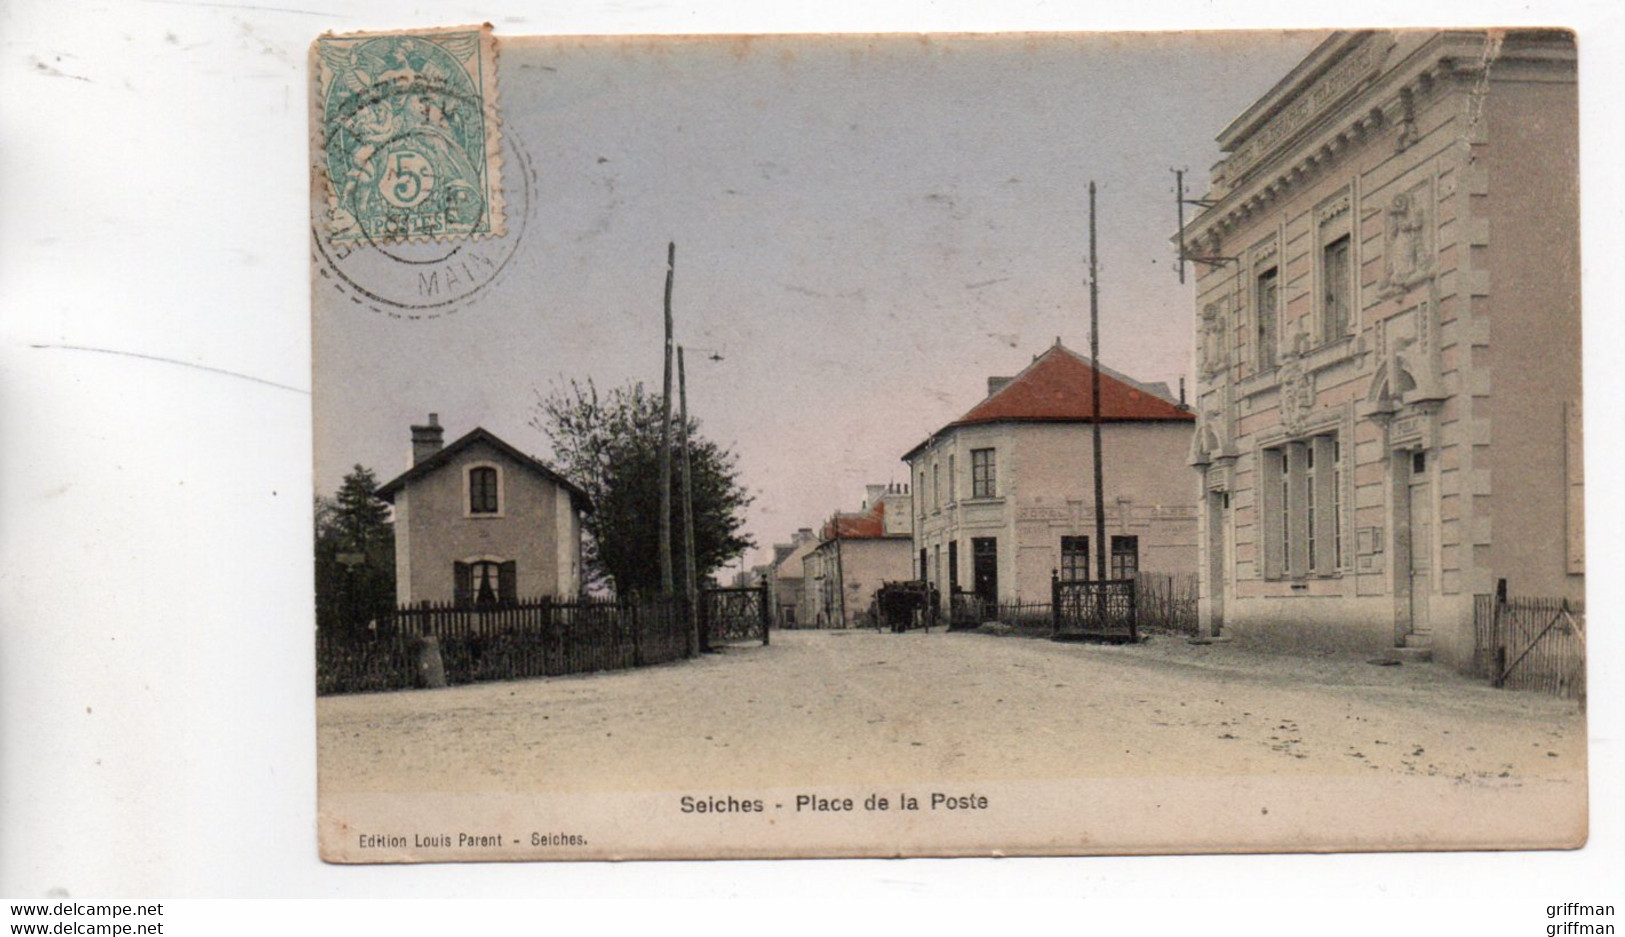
946, 445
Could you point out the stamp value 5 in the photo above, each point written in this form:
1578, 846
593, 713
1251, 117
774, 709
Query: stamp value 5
410, 143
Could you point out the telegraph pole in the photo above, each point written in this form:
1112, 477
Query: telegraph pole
665, 441
696, 639
1094, 361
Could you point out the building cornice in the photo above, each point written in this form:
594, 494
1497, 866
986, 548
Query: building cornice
1348, 89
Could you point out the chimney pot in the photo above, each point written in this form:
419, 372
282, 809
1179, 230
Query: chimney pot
427, 440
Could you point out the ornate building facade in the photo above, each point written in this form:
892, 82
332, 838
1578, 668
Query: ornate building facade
1389, 342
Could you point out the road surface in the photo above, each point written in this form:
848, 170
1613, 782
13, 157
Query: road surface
843, 708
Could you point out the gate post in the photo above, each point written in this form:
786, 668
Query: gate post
1054, 603
1133, 610
767, 612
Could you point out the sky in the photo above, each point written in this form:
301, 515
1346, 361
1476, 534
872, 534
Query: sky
867, 227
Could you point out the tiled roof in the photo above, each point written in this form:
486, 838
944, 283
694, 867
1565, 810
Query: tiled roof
1058, 388
480, 434
869, 525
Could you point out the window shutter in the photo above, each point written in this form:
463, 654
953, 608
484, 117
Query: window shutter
462, 584
1297, 560
1326, 504
508, 587
1271, 526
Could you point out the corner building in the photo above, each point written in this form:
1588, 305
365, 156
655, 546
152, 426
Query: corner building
1004, 495
1388, 343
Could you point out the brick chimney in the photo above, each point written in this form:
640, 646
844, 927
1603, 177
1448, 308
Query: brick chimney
996, 384
427, 440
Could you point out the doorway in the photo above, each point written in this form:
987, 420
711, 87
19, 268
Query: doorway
985, 569
1419, 557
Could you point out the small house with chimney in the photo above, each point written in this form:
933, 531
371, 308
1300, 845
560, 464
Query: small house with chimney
478, 522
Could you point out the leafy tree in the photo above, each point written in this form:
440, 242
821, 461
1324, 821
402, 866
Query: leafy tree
610, 446
355, 554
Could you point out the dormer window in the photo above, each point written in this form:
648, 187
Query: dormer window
483, 487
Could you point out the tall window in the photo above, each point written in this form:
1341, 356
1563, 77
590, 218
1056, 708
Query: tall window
1337, 503
1266, 295
1310, 540
984, 476
936, 486
1074, 559
953, 485
919, 496
1125, 556
1303, 508
1336, 277
953, 566
482, 490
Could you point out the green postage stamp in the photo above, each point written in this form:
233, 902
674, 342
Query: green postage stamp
409, 141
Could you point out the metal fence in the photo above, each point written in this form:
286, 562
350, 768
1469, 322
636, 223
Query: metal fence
1531, 644
1094, 610
530, 638
735, 614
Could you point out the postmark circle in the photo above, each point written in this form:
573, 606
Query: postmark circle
427, 279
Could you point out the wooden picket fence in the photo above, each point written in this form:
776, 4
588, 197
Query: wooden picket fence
1531, 644
529, 638
1166, 602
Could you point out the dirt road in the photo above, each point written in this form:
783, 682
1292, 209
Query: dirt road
863, 708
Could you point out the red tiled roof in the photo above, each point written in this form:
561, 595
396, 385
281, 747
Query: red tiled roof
1057, 388
866, 526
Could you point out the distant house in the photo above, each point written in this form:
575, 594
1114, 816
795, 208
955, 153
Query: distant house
855, 554
1004, 495
479, 522
785, 574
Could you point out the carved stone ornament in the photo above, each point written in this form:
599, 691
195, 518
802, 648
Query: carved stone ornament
1212, 346
1297, 390
1408, 250
1334, 209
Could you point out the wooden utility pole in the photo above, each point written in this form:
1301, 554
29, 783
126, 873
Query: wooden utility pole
696, 638
1094, 367
665, 440
840, 568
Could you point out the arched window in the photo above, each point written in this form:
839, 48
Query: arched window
485, 581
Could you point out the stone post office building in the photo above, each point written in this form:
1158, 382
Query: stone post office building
1389, 342
1004, 495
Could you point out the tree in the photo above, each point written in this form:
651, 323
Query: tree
355, 554
610, 446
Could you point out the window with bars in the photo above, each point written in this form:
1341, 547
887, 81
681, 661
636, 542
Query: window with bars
984, 475
1074, 559
1302, 490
